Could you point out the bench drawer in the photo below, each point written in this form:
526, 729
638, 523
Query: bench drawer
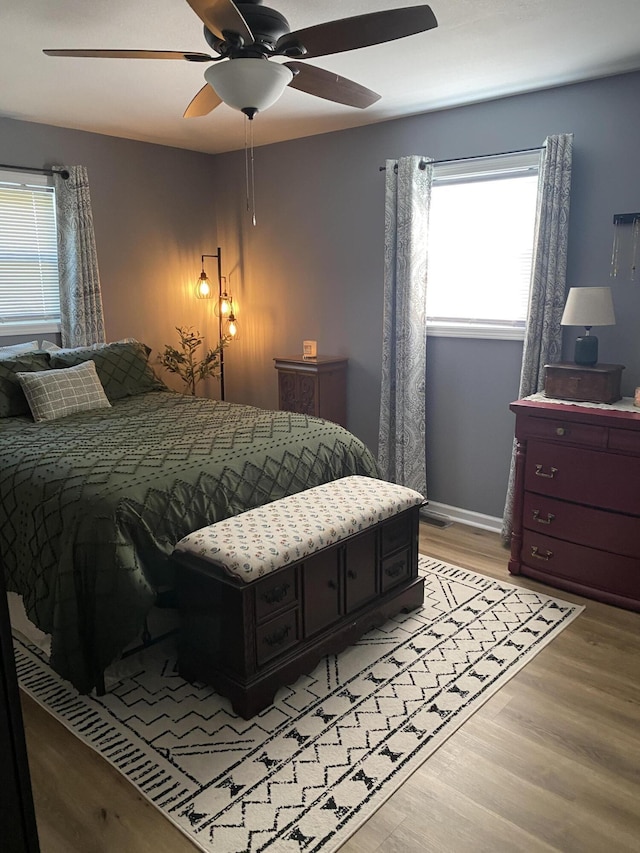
396, 534
396, 569
276, 636
275, 593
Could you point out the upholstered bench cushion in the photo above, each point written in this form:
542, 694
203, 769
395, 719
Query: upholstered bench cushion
269, 537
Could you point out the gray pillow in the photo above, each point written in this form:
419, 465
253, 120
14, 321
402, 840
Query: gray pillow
123, 367
16, 349
12, 399
54, 394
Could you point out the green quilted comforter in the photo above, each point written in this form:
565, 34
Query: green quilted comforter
91, 505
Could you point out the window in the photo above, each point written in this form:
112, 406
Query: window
29, 287
481, 229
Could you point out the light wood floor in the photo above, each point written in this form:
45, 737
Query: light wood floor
550, 763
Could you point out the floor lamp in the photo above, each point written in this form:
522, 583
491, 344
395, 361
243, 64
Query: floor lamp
203, 291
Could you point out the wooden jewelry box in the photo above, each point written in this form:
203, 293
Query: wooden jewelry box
569, 381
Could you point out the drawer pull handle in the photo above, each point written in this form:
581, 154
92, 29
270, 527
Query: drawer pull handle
278, 637
561, 431
352, 575
541, 473
395, 570
535, 553
547, 520
332, 585
276, 594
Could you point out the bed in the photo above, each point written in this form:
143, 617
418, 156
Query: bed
92, 503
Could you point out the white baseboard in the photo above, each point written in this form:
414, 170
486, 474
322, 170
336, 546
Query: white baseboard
465, 516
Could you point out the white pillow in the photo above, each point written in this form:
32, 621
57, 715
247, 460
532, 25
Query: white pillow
16, 349
49, 346
55, 394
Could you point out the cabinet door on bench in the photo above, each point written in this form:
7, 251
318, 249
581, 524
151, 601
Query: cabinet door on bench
360, 570
321, 591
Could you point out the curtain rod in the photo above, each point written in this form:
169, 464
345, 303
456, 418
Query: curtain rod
51, 171
423, 163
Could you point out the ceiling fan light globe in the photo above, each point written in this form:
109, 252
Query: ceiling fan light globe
247, 83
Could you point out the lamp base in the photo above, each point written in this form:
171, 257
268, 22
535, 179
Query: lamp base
586, 350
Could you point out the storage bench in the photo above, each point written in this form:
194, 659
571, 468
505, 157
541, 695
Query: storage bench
266, 594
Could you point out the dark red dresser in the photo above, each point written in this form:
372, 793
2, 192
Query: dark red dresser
576, 515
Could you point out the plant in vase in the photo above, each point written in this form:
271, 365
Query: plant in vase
186, 362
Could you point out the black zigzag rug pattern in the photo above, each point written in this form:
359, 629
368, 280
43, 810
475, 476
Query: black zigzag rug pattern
307, 772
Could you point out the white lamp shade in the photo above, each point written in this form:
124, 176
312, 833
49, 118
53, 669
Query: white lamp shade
253, 84
589, 306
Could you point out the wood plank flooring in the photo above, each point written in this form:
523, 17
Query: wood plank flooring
550, 763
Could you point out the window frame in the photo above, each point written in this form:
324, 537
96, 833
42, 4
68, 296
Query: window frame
473, 169
31, 326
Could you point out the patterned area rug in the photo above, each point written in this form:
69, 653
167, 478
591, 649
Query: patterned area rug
307, 772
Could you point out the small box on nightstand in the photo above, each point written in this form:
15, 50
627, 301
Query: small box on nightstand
569, 381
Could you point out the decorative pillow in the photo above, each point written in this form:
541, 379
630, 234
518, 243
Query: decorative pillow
16, 349
49, 346
57, 393
12, 399
122, 367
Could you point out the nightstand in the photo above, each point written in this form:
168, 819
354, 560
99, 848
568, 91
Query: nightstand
316, 386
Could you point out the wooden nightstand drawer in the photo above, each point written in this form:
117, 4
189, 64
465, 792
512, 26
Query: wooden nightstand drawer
595, 528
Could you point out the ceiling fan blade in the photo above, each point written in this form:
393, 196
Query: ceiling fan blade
134, 54
330, 86
221, 15
359, 31
203, 103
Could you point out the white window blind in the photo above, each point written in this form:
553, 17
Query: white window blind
29, 286
481, 231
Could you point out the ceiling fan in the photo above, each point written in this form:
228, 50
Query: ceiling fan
248, 35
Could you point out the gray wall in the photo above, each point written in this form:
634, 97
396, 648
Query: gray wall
312, 268
154, 210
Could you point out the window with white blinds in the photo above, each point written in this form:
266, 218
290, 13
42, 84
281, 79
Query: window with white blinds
481, 231
29, 287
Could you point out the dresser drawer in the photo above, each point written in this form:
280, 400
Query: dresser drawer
564, 432
595, 528
589, 567
625, 440
604, 480
275, 593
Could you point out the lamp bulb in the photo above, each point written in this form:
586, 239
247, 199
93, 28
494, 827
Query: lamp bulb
203, 287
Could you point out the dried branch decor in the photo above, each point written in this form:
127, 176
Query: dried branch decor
186, 364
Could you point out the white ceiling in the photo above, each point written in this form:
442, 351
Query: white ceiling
481, 49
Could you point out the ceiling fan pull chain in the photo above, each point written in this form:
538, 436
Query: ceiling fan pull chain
253, 177
249, 172
246, 158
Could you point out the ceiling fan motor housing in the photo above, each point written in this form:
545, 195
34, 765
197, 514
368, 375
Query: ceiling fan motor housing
267, 26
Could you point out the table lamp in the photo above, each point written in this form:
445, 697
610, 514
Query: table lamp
588, 306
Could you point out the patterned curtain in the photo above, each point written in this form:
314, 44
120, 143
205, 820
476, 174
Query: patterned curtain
82, 320
401, 453
543, 335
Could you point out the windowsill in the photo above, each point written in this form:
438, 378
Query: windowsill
462, 330
30, 327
